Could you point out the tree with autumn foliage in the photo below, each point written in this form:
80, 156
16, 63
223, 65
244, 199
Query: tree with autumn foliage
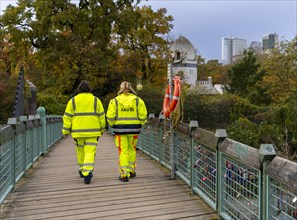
60, 43
8, 79
270, 83
246, 79
144, 38
281, 67
212, 68
281, 80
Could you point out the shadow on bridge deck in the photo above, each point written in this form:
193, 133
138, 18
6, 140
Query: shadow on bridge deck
54, 190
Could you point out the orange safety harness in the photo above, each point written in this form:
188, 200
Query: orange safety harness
168, 106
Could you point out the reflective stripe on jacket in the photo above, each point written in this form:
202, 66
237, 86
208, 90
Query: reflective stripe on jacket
84, 116
126, 114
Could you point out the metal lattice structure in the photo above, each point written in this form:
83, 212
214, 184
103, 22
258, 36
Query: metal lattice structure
205, 172
282, 204
240, 190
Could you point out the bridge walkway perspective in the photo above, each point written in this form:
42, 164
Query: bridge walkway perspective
52, 189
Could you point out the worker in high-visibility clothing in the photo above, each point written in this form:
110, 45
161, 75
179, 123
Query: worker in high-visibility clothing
84, 118
126, 114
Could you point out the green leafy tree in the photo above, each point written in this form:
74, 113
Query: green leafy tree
7, 91
144, 36
244, 131
70, 42
284, 115
212, 68
8, 79
280, 64
245, 79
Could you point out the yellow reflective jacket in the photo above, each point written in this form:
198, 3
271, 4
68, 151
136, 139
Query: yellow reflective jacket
126, 114
84, 116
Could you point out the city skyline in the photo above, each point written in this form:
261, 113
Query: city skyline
205, 23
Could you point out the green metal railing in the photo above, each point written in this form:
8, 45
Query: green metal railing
22, 142
238, 181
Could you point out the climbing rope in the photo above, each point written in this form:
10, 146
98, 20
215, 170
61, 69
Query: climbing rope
177, 115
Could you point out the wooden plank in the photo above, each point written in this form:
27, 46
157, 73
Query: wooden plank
89, 205
103, 192
104, 200
200, 217
189, 212
109, 212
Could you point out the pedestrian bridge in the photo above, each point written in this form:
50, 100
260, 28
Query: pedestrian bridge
182, 173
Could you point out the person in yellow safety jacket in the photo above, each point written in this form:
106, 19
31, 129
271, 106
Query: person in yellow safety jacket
126, 114
84, 118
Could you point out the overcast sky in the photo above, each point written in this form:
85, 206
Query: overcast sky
205, 22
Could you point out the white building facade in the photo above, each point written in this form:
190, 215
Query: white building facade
184, 60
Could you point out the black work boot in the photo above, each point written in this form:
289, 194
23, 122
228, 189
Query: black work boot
123, 178
87, 179
132, 174
80, 174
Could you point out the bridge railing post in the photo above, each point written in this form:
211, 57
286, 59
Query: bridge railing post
36, 136
193, 125
161, 118
24, 119
266, 154
29, 139
173, 156
220, 134
41, 111
151, 139
19, 147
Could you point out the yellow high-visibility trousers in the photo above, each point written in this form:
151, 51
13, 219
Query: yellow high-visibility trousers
127, 153
86, 151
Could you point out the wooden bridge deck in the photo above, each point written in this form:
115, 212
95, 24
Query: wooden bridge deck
52, 189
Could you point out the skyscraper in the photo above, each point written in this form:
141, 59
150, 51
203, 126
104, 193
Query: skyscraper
232, 48
226, 50
269, 41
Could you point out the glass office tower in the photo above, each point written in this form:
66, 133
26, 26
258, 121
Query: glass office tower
232, 48
269, 41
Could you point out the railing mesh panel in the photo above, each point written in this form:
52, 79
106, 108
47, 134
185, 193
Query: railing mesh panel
205, 164
240, 190
282, 203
